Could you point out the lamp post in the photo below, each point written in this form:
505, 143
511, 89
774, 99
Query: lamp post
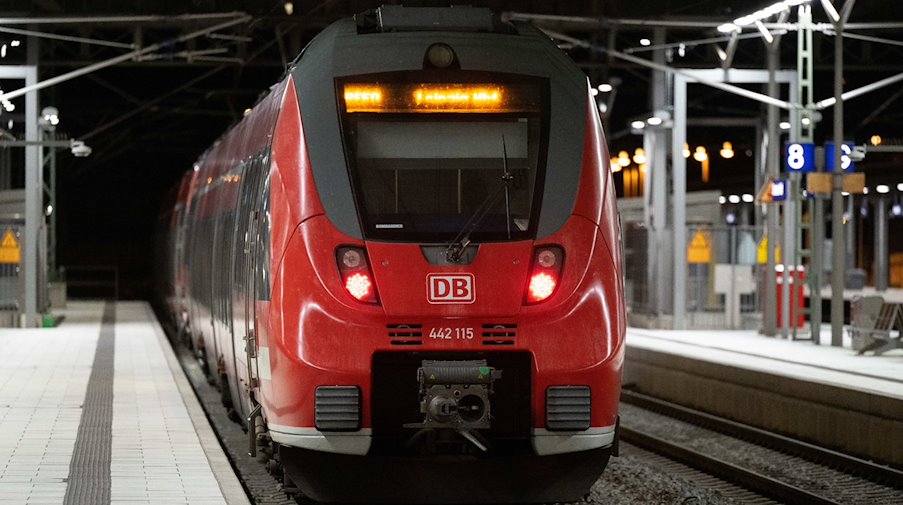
47, 122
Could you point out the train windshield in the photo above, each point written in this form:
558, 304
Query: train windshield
431, 159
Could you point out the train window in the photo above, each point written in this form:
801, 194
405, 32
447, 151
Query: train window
430, 159
264, 247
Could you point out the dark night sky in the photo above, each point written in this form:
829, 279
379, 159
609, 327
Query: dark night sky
107, 203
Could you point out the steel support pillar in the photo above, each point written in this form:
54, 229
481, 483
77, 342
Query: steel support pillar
881, 244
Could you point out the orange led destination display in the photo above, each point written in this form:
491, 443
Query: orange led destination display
406, 98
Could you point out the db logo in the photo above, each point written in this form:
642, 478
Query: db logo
450, 288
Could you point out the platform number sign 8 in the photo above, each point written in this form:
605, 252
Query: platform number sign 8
799, 157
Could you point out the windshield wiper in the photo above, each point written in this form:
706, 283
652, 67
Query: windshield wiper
456, 248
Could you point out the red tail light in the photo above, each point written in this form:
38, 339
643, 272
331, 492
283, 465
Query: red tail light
356, 274
545, 273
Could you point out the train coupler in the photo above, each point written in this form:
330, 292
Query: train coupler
455, 395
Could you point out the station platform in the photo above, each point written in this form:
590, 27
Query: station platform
826, 395
98, 411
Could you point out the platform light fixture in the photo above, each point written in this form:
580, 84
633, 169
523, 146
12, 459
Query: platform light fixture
645, 42
748, 198
882, 189
638, 124
830, 10
734, 199
700, 154
289, 8
639, 156
785, 125
900, 186
686, 150
624, 159
722, 199
605, 88
727, 150
876, 140
761, 15
654, 121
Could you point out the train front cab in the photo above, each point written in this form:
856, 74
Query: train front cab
450, 305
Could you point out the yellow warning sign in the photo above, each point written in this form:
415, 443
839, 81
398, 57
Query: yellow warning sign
9, 248
700, 250
762, 252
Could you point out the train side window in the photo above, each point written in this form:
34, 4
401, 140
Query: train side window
263, 239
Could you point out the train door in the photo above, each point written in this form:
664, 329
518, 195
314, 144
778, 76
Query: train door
248, 243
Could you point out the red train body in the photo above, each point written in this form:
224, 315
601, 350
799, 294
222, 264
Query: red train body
420, 288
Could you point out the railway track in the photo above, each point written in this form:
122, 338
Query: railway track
773, 466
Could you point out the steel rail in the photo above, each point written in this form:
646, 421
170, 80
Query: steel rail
880, 474
756, 482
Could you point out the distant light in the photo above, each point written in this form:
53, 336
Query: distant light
844, 193
3, 51
638, 125
246, 112
785, 125
623, 158
900, 186
806, 121
686, 150
654, 121
48, 210
645, 42
615, 165
593, 91
639, 156
876, 140
605, 88
700, 154
830, 10
722, 200
748, 198
882, 189
289, 8
603, 107
15, 43
865, 191
734, 198
9, 124
730, 218
727, 150
896, 210
764, 31
682, 50
728, 28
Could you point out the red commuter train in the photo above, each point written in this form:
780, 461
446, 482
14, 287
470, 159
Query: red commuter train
403, 265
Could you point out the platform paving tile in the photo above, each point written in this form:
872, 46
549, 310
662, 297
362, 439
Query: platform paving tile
157, 457
43, 378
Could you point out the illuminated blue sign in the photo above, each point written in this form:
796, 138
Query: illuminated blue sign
799, 157
845, 162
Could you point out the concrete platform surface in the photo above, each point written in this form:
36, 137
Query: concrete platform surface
837, 366
97, 411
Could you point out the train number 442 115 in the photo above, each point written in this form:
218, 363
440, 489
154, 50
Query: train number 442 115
452, 333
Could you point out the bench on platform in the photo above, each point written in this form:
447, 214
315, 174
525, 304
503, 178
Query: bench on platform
875, 326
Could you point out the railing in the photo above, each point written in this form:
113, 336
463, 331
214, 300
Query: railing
722, 278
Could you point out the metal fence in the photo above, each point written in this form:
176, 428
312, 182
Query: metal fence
723, 277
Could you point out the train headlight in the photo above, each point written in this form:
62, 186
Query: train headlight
544, 275
357, 277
